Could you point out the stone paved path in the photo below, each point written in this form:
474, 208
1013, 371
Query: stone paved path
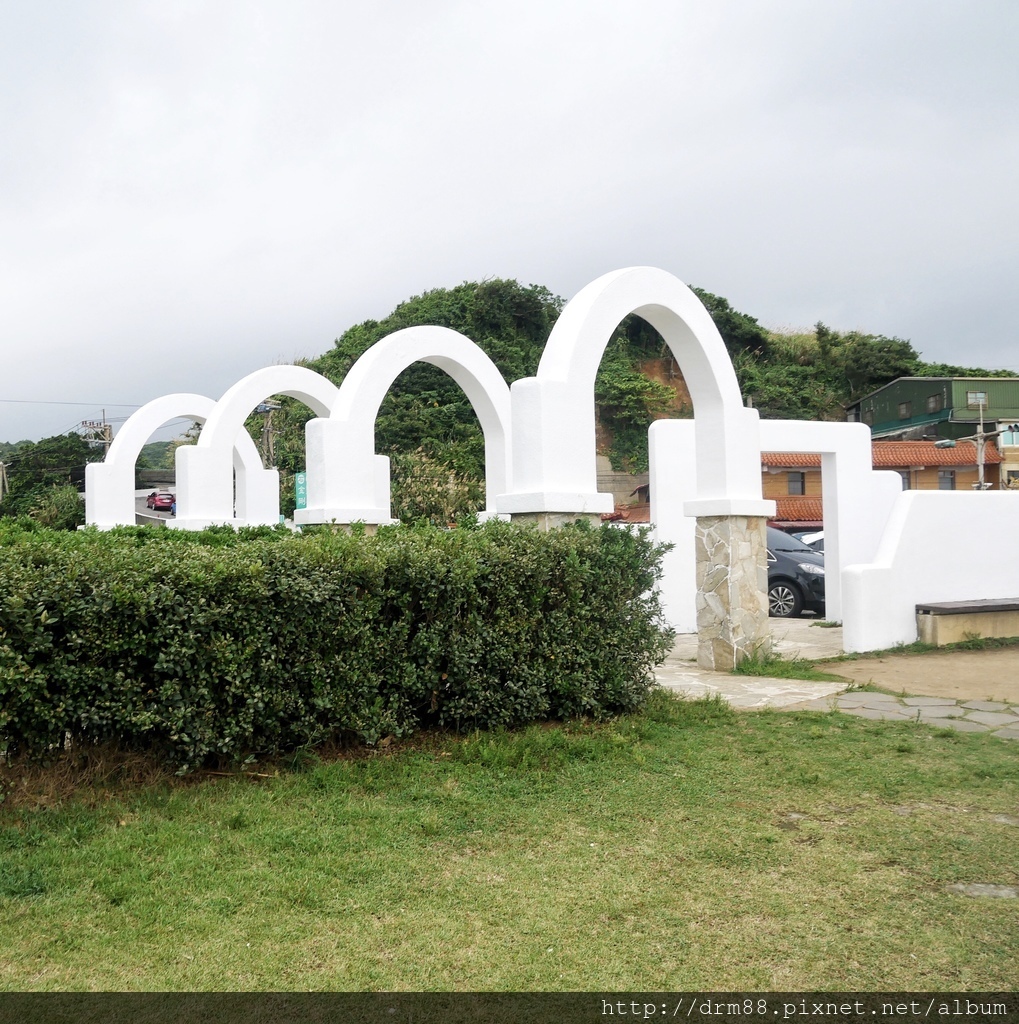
950, 702
963, 716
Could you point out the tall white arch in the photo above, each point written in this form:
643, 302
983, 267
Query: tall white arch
553, 413
361, 492
109, 485
205, 492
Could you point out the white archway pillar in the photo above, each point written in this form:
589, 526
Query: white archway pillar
205, 482
554, 469
362, 491
109, 485
553, 412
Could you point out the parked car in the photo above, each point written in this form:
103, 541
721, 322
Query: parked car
813, 540
795, 576
161, 501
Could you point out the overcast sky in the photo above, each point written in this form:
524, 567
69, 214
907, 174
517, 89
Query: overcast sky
192, 190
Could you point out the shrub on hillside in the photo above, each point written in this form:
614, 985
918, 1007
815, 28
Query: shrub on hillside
219, 644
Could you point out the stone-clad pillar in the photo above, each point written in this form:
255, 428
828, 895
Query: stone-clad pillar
732, 590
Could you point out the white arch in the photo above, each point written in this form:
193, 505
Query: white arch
109, 485
205, 493
347, 438
553, 412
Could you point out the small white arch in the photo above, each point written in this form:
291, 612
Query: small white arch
361, 492
857, 502
109, 485
205, 493
553, 412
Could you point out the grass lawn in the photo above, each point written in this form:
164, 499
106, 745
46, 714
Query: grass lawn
686, 848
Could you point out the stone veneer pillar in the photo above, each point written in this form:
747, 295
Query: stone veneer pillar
732, 590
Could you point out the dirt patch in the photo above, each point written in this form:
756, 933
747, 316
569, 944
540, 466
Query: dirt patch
963, 675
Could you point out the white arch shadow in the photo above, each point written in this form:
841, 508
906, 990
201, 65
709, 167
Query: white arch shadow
205, 493
361, 492
553, 413
109, 485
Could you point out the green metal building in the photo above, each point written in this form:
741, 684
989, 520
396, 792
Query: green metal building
911, 408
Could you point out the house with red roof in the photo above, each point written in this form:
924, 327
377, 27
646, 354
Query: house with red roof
793, 480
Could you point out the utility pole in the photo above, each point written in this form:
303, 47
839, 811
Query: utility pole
99, 432
4, 485
268, 449
978, 440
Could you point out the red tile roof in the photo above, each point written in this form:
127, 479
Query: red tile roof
900, 454
794, 460
638, 513
798, 508
893, 455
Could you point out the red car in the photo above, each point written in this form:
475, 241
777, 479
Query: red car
161, 501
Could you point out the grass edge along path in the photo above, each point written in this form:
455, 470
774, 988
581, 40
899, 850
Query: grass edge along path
778, 666
687, 847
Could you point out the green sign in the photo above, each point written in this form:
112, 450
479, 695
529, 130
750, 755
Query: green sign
301, 489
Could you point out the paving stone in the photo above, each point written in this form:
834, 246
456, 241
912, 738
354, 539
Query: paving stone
986, 889
929, 702
1009, 733
992, 718
985, 705
940, 712
877, 713
1005, 819
961, 725
888, 705
854, 700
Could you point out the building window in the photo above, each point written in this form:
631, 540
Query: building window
1013, 479
1009, 435
934, 403
797, 483
946, 479
974, 399
907, 479
905, 410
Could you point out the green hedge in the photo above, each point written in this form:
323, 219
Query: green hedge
216, 645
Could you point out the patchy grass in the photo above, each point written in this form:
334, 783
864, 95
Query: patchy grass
974, 643
685, 848
775, 666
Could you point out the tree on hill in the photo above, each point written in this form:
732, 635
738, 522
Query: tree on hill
740, 331
816, 377
43, 479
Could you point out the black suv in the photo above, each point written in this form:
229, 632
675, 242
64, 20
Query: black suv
795, 576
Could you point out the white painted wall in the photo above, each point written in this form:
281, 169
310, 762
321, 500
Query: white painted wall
937, 546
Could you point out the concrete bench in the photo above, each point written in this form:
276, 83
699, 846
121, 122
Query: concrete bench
948, 622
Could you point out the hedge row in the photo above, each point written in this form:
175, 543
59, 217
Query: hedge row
216, 645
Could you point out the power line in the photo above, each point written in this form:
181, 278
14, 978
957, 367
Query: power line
97, 405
